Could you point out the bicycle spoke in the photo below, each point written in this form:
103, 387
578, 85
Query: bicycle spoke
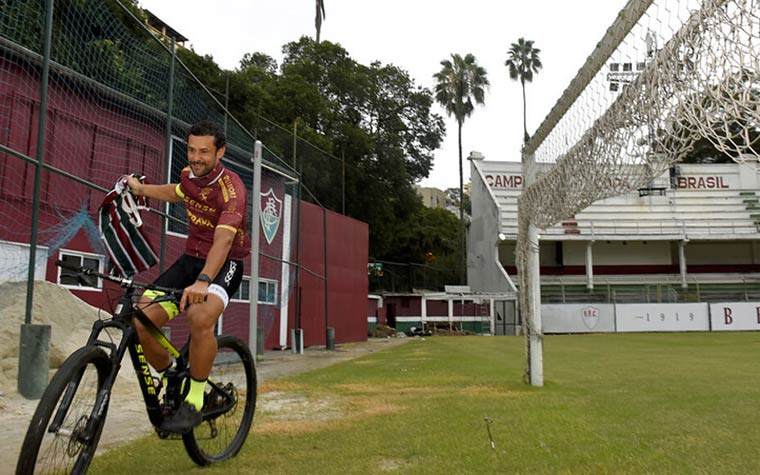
230, 401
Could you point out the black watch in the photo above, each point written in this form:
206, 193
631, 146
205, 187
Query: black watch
204, 278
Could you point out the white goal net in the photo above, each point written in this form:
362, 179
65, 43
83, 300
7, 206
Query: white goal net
667, 74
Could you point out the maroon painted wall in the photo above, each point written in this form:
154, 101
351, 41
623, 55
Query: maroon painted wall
100, 140
347, 250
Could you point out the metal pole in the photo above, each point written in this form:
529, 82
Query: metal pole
682, 263
343, 181
329, 345
42, 120
34, 340
589, 265
295, 141
253, 307
226, 100
298, 252
535, 328
168, 152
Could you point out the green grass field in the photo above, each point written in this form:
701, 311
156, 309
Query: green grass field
625, 403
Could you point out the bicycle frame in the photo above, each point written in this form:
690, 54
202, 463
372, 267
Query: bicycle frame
122, 320
70, 418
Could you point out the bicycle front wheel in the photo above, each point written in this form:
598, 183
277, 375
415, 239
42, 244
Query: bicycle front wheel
229, 405
60, 438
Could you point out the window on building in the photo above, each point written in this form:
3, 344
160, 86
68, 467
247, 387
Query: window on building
613, 86
243, 293
640, 66
614, 67
267, 291
627, 67
77, 259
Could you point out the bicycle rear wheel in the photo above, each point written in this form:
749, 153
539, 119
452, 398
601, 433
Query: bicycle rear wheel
58, 439
232, 397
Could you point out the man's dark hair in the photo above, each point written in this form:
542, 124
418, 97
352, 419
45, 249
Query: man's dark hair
208, 128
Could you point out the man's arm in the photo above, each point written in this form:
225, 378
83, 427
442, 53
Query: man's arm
220, 249
166, 192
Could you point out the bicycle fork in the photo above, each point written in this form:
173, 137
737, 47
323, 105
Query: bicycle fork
94, 419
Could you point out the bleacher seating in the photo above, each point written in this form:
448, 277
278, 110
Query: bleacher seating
677, 213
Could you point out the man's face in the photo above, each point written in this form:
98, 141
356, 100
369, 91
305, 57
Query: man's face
202, 154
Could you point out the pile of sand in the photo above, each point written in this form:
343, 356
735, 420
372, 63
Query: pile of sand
69, 317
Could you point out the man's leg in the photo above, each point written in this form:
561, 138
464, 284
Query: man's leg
202, 319
156, 354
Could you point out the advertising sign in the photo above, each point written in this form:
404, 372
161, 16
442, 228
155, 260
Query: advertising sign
734, 316
662, 317
578, 318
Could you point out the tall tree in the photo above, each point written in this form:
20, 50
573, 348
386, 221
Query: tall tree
460, 82
319, 17
523, 62
372, 116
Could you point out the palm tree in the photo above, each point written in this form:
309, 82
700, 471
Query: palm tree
460, 82
523, 62
320, 16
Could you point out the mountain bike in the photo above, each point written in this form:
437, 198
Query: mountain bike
66, 427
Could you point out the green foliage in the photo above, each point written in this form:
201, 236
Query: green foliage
101, 40
369, 123
431, 230
374, 118
523, 62
425, 253
460, 82
23, 22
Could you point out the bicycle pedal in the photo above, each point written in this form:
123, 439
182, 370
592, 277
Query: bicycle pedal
164, 434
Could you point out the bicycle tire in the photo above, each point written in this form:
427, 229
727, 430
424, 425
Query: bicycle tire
44, 451
222, 437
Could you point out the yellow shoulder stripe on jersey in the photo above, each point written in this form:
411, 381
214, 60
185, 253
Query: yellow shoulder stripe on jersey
228, 227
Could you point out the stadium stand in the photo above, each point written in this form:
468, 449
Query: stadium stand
691, 235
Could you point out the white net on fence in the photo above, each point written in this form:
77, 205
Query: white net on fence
667, 74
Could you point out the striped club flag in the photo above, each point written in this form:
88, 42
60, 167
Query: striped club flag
119, 222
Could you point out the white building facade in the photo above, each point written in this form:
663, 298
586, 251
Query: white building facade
693, 231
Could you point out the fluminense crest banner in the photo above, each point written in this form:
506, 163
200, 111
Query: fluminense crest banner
271, 214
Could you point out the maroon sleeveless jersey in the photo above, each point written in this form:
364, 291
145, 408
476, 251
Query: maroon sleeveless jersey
217, 199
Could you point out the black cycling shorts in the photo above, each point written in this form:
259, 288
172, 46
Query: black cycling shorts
184, 272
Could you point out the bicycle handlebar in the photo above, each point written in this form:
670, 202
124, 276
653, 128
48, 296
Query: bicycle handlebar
125, 282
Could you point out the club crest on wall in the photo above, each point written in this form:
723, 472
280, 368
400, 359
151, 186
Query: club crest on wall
590, 317
271, 213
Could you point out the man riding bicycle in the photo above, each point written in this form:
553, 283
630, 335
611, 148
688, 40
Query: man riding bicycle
210, 270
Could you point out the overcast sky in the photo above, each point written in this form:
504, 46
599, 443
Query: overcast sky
416, 35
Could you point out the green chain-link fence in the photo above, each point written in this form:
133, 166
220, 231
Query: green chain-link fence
105, 97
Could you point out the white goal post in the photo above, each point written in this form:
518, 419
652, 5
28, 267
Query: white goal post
666, 74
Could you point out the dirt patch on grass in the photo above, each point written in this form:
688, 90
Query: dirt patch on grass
285, 406
390, 389
392, 465
297, 413
491, 391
